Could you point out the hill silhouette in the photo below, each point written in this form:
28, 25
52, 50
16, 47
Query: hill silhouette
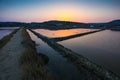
54, 24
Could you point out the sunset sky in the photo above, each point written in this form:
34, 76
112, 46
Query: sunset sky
65, 10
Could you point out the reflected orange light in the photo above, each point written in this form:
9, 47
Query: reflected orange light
64, 32
61, 33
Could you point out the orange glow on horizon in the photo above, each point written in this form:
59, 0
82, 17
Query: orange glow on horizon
62, 12
65, 15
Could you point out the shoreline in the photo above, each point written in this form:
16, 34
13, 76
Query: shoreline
7, 38
33, 64
79, 61
20, 61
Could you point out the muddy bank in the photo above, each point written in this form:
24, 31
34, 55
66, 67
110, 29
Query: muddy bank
33, 64
19, 60
88, 69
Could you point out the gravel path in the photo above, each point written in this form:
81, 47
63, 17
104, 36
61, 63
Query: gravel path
9, 58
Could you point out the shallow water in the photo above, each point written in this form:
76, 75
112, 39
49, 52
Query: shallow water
4, 33
102, 48
58, 65
8, 28
62, 33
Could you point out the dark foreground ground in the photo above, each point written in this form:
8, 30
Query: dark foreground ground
19, 59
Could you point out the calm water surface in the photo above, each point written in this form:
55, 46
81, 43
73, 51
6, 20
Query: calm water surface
58, 65
9, 27
4, 33
62, 33
102, 48
6, 30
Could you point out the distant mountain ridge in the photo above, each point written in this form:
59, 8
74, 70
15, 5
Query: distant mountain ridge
54, 24
115, 22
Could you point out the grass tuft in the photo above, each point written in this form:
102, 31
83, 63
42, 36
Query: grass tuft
32, 63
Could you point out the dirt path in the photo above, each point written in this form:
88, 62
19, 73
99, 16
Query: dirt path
9, 58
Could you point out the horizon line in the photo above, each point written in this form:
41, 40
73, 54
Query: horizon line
58, 20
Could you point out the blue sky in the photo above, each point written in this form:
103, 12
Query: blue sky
73, 10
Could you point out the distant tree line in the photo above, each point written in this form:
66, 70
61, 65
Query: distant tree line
62, 25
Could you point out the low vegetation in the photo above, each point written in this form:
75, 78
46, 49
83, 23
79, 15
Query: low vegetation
6, 39
33, 64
